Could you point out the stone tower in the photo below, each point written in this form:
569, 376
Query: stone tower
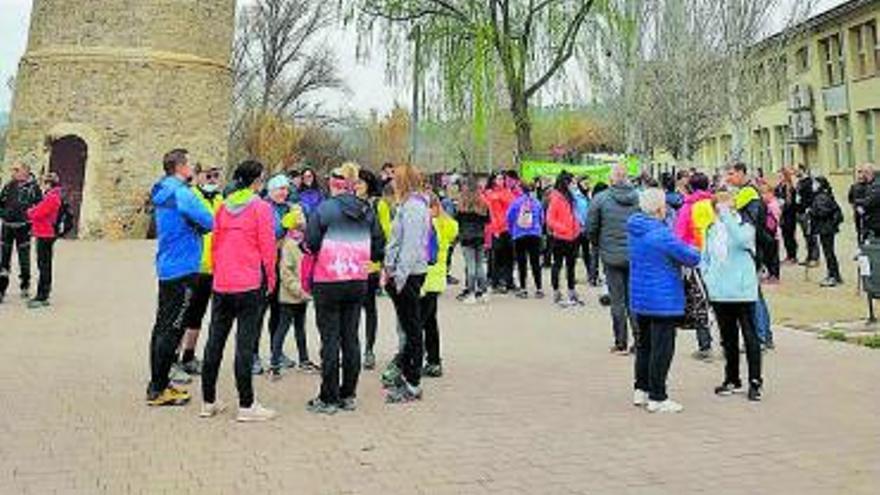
106, 87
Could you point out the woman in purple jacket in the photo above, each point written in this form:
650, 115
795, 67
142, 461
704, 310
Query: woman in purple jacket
525, 222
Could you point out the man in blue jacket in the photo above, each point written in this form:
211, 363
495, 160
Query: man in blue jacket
181, 221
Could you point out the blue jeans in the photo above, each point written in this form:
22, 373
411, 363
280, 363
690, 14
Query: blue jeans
475, 269
762, 320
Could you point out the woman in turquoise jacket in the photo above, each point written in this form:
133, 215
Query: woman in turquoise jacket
728, 269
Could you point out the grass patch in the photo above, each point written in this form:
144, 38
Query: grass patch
835, 335
872, 341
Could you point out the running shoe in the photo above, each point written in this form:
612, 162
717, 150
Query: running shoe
348, 404
171, 396
463, 295
640, 398
274, 373
369, 360
539, 294
317, 406
433, 370
727, 389
257, 367
209, 410
666, 406
308, 367
522, 294
178, 375
192, 367
756, 392
403, 394
38, 303
256, 413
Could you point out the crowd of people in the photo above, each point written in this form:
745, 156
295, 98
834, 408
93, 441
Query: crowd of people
685, 251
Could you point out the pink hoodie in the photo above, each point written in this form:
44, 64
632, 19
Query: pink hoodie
684, 224
244, 246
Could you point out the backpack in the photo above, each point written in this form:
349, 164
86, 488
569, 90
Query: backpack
64, 221
526, 218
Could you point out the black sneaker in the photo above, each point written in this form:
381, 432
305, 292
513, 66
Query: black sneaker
539, 294
727, 389
317, 406
463, 295
522, 294
275, 373
756, 392
450, 280
348, 404
433, 370
369, 360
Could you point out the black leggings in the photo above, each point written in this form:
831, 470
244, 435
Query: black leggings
528, 251
831, 265
431, 327
563, 251
296, 314
409, 316
370, 312
502, 258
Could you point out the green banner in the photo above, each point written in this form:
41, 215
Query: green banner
597, 172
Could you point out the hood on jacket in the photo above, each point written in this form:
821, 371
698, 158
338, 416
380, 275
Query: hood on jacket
163, 191
353, 207
696, 196
624, 194
639, 225
237, 202
746, 195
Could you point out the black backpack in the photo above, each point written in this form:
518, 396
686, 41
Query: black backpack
64, 222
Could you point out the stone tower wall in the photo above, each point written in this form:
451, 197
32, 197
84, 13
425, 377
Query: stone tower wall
134, 79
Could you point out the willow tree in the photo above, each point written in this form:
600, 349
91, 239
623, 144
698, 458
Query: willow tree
464, 44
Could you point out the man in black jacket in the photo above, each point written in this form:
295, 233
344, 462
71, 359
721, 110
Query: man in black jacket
19, 194
805, 193
870, 207
858, 194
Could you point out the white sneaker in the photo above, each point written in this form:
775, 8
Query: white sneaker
209, 410
640, 398
255, 413
470, 300
666, 406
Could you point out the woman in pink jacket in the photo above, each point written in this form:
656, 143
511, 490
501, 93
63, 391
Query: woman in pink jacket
564, 227
43, 217
244, 255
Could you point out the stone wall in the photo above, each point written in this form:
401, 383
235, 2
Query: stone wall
133, 79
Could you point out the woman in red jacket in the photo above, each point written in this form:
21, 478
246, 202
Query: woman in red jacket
43, 217
499, 198
564, 228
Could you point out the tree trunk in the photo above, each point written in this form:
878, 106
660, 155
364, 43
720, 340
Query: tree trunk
519, 108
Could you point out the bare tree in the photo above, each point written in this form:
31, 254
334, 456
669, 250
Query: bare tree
281, 58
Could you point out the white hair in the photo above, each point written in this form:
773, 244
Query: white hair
652, 201
619, 173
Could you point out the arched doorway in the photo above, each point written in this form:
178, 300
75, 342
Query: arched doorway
68, 159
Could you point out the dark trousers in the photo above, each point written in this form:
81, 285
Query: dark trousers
269, 305
734, 318
617, 278
811, 238
295, 314
591, 258
528, 252
831, 265
338, 311
502, 258
409, 317
44, 265
563, 252
789, 236
244, 309
370, 312
174, 300
20, 239
431, 327
771, 258
655, 347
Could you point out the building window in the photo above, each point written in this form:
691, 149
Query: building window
780, 77
833, 70
864, 41
835, 142
847, 138
869, 122
802, 59
782, 139
767, 161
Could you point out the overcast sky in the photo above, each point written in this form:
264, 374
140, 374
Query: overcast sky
367, 82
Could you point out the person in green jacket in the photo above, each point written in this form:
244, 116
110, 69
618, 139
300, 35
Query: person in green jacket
446, 229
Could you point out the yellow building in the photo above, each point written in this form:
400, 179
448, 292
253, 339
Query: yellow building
818, 95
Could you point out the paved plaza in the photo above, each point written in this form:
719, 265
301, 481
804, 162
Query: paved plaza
532, 403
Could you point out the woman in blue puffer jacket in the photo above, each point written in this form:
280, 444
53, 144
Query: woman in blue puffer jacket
657, 297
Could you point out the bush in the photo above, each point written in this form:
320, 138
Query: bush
835, 335
872, 341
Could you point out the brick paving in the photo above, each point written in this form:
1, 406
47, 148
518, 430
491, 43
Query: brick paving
532, 403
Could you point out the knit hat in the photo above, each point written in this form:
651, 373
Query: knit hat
277, 182
294, 219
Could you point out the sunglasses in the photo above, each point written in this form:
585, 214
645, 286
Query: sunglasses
213, 175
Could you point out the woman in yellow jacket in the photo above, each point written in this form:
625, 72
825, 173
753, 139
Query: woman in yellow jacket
446, 229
